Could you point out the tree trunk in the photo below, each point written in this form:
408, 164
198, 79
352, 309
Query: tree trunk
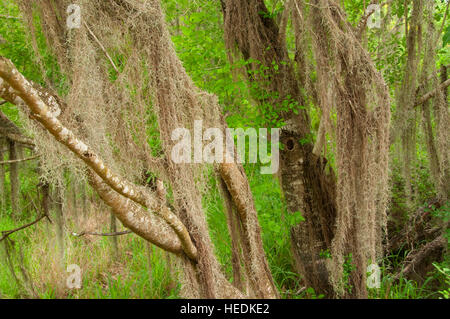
234, 234
308, 188
14, 180
45, 202
58, 206
3, 195
84, 199
183, 229
444, 77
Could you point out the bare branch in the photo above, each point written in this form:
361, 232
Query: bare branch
13, 132
19, 138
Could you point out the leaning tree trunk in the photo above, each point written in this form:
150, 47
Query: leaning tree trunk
406, 115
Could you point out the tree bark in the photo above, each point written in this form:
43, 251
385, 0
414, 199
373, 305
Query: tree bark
3, 195
444, 78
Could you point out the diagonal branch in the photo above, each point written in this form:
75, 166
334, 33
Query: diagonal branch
25, 92
432, 93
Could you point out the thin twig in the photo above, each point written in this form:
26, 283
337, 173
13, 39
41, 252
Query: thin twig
101, 46
102, 234
363, 21
432, 93
3, 102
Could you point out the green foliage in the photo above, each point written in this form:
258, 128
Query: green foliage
445, 271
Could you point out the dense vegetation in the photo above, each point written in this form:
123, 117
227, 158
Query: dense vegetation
413, 264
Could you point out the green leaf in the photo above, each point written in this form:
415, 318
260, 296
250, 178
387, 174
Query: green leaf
446, 37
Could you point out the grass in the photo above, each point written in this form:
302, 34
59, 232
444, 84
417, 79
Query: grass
135, 273
142, 272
